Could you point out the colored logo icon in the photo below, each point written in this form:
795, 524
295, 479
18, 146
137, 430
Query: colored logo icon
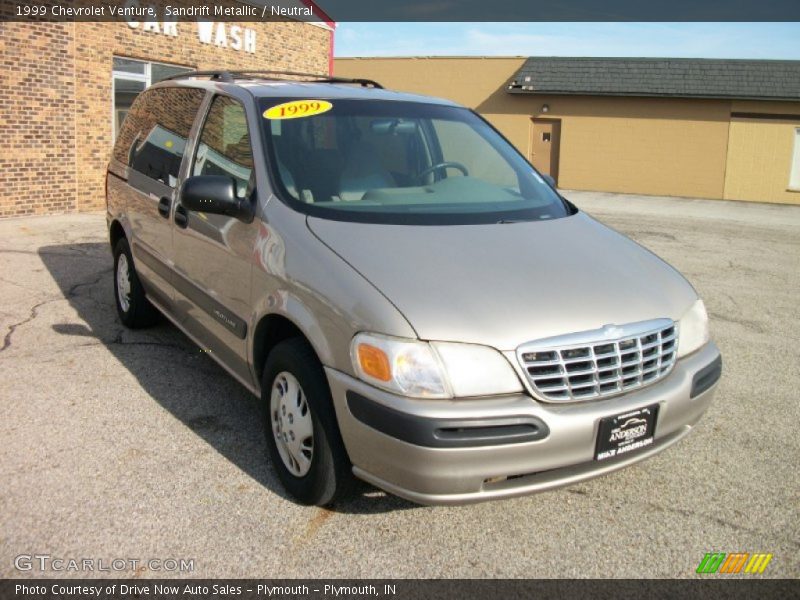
736, 562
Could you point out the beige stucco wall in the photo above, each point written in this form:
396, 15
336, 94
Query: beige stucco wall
760, 154
474, 82
640, 145
662, 146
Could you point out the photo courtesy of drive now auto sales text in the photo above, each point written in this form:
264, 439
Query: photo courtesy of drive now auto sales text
140, 589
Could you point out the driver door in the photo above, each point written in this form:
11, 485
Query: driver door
213, 252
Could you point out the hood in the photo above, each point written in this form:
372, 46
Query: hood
502, 285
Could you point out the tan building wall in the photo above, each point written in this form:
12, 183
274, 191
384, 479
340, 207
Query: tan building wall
56, 98
640, 145
474, 82
661, 146
757, 168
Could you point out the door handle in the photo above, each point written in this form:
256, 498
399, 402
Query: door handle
181, 217
163, 207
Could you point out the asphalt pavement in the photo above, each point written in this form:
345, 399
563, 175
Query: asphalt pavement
137, 446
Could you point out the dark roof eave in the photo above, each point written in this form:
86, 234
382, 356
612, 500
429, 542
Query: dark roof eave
659, 77
650, 95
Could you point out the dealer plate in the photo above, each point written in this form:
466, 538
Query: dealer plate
627, 432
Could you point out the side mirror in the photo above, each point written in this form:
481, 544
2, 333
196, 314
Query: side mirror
215, 194
549, 180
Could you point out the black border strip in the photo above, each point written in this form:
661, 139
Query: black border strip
510, 11
706, 377
710, 586
766, 116
446, 433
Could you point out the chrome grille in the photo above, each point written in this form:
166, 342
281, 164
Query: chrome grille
599, 363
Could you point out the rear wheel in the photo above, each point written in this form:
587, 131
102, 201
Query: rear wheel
303, 438
134, 309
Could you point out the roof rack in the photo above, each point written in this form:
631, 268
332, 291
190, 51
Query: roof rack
230, 76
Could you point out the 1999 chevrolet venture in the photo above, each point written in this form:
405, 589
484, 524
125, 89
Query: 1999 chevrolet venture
412, 302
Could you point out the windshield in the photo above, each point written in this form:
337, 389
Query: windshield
400, 162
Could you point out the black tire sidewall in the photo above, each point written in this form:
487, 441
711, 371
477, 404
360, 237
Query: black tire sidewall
329, 474
140, 312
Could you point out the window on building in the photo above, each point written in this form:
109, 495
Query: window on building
224, 147
794, 173
131, 77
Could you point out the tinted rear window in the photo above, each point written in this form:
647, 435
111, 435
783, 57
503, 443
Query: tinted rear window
153, 137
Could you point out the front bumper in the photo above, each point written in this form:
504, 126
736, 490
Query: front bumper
470, 450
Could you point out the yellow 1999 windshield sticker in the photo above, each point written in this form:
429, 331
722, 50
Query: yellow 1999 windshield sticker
297, 109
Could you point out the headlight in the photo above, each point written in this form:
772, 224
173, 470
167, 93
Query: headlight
435, 370
693, 329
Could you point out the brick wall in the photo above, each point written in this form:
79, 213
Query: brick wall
55, 109
37, 118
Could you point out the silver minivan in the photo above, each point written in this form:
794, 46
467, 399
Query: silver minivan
412, 302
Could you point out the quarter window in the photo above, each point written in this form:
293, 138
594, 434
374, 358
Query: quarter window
224, 147
153, 137
130, 78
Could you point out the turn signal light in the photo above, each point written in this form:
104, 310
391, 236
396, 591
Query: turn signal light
374, 362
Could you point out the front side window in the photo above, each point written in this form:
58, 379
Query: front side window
153, 137
224, 147
402, 162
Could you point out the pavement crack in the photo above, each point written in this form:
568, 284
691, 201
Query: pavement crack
747, 324
718, 520
70, 254
72, 292
19, 285
15, 251
34, 312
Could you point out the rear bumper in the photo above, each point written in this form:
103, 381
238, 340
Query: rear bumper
470, 450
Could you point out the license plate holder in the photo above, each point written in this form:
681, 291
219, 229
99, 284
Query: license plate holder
626, 432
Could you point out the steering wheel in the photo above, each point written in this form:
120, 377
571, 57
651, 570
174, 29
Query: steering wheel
443, 165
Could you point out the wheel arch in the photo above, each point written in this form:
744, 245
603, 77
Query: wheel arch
271, 330
116, 232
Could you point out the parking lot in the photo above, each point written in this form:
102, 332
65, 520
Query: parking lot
135, 445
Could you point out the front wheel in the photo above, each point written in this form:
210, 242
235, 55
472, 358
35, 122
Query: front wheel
303, 438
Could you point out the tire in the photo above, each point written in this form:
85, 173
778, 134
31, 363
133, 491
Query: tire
133, 308
322, 475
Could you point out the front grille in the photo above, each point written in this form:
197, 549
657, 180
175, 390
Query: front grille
599, 363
